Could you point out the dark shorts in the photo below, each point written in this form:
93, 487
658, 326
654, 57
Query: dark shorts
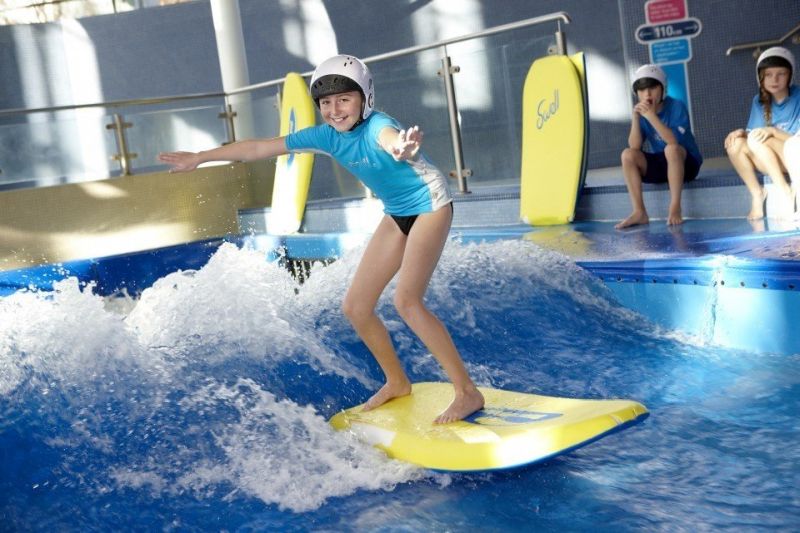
405, 223
657, 168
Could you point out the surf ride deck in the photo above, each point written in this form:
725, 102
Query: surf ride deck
513, 429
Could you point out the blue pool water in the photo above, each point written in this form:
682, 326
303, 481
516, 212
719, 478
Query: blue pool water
202, 406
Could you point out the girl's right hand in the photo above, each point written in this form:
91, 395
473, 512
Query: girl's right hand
180, 161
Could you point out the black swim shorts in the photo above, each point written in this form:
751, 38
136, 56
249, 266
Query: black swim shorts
657, 168
405, 223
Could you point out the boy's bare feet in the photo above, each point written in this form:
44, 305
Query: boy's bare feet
386, 393
757, 206
635, 218
674, 218
464, 404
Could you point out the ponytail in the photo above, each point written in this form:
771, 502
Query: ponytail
765, 99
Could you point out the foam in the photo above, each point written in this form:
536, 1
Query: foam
187, 389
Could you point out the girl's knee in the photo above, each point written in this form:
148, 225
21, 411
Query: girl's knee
407, 306
354, 311
735, 147
758, 148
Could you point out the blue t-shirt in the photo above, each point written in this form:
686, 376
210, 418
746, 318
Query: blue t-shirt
675, 116
405, 187
785, 115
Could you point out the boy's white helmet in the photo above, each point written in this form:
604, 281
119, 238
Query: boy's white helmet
651, 71
340, 74
777, 56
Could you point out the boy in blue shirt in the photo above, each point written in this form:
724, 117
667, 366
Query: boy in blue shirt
774, 117
409, 239
661, 123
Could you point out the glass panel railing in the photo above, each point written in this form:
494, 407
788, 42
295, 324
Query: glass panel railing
78, 145
190, 129
61, 145
51, 148
489, 87
258, 114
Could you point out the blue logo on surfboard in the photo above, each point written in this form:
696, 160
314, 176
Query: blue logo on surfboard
500, 416
292, 129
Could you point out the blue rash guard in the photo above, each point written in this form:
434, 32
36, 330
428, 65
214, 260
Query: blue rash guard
675, 116
406, 187
785, 114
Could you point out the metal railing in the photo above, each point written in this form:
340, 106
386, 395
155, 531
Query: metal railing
121, 126
461, 172
757, 46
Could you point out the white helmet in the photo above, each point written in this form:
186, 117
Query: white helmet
777, 56
651, 71
340, 74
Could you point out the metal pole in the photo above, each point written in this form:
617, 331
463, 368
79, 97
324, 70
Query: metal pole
123, 156
460, 172
230, 125
561, 41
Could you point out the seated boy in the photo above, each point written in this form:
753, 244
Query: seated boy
661, 122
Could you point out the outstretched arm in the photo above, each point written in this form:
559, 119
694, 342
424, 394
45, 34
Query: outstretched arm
402, 145
249, 150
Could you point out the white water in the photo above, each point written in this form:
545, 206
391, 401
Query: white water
159, 389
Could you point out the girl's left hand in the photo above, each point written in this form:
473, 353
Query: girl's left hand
407, 144
759, 135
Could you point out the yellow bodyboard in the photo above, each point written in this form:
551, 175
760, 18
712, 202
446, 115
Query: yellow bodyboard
292, 171
554, 140
512, 430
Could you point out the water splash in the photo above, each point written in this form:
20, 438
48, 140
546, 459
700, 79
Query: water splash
216, 384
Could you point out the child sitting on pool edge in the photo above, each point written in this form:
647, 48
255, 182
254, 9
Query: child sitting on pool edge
408, 240
662, 123
774, 117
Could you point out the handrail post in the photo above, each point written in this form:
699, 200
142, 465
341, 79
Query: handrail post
230, 126
123, 156
561, 41
460, 172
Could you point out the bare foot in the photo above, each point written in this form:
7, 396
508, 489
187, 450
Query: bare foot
464, 404
386, 393
757, 206
635, 218
674, 218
